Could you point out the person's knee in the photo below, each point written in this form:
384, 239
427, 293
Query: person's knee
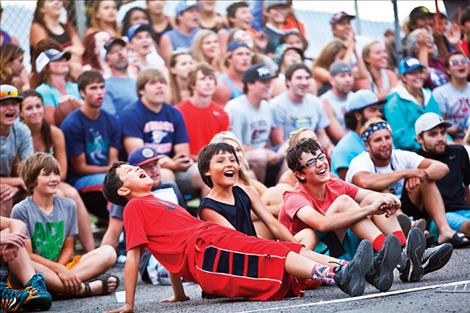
108, 253
345, 202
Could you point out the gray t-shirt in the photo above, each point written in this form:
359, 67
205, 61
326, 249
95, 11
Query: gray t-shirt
454, 104
291, 116
48, 231
18, 143
340, 106
251, 125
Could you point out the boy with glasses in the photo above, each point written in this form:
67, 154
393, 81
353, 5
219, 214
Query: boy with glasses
342, 215
454, 96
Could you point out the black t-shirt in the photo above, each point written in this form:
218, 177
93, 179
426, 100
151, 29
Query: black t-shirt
452, 186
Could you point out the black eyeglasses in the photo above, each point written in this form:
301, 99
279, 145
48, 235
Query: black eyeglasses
313, 161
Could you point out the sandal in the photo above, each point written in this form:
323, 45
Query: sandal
104, 286
459, 240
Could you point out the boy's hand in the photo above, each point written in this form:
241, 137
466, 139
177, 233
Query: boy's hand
175, 299
124, 309
8, 253
17, 240
72, 283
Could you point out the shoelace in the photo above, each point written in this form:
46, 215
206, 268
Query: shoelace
8, 295
428, 252
37, 283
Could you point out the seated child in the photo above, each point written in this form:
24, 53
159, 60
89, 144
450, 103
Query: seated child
51, 227
147, 158
13, 251
222, 261
230, 204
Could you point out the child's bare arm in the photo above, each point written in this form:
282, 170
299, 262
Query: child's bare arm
178, 290
207, 214
67, 251
130, 273
277, 229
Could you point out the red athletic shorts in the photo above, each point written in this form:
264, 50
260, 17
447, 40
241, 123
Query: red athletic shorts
232, 264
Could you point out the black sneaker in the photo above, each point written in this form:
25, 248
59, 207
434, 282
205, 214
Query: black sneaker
350, 278
411, 269
383, 264
40, 298
12, 300
435, 258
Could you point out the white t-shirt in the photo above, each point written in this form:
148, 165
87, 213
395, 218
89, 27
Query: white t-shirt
252, 125
400, 160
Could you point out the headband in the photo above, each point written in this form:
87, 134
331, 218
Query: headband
373, 128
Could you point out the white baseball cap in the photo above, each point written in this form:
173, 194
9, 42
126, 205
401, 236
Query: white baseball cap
428, 121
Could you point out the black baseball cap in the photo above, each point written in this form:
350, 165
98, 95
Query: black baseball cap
257, 72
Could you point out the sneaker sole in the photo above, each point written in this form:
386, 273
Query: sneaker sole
361, 265
438, 260
392, 255
414, 250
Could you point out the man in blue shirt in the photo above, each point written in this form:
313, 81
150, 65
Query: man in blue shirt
363, 106
92, 139
154, 123
120, 87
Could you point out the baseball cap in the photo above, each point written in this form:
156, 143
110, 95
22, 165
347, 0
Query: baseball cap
235, 44
276, 3
408, 65
340, 67
282, 49
418, 13
362, 99
257, 72
9, 92
183, 6
48, 56
143, 155
428, 121
338, 16
109, 44
133, 30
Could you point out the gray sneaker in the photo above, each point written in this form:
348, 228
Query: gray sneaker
435, 258
383, 264
350, 278
411, 269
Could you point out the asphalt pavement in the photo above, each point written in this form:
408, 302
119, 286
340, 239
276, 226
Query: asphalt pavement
447, 290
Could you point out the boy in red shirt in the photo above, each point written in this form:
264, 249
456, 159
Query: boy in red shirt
222, 261
343, 214
203, 117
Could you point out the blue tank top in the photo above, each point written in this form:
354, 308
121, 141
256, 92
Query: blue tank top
235, 91
238, 215
180, 40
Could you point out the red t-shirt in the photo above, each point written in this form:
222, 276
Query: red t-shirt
166, 229
202, 123
300, 197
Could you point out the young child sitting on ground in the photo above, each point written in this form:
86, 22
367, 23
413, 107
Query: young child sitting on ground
51, 227
13, 252
222, 261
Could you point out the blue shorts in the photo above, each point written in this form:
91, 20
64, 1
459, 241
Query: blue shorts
330, 245
455, 220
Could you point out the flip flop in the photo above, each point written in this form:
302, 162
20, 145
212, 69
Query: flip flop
459, 240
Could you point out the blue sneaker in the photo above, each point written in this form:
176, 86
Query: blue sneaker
411, 269
40, 299
12, 300
381, 274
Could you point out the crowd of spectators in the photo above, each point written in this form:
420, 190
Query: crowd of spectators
154, 90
